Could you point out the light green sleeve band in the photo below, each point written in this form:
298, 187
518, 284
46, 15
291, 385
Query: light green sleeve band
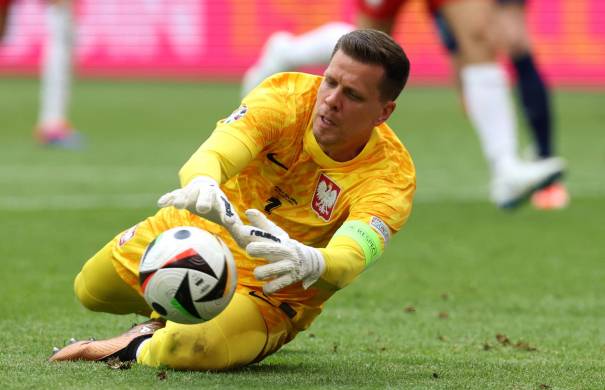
363, 235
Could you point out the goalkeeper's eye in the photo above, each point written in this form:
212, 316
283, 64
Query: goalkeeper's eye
353, 95
330, 81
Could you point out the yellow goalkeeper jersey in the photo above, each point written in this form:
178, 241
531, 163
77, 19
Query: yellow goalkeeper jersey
266, 157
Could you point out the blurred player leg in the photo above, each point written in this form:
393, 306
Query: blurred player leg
53, 127
488, 104
4, 9
379, 15
284, 51
513, 36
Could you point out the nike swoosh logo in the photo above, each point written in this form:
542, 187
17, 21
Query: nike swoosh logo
271, 157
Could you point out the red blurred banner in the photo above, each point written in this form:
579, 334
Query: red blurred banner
221, 38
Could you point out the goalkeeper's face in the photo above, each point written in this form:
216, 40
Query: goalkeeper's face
348, 106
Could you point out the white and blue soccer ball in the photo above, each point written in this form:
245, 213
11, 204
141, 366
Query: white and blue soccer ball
187, 275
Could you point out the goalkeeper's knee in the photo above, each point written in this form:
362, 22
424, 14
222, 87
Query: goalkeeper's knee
99, 288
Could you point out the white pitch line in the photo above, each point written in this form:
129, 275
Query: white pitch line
84, 173
433, 187
79, 202
148, 200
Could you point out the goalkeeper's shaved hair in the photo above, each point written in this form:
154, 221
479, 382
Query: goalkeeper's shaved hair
375, 47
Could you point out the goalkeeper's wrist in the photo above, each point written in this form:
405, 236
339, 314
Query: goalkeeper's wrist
203, 179
321, 262
317, 264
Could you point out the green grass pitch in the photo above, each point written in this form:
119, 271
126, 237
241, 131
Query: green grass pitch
466, 296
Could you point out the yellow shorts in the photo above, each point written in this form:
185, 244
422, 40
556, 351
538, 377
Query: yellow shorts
249, 329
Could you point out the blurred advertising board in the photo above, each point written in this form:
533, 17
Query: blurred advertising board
219, 39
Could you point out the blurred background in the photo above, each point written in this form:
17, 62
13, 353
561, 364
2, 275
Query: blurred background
210, 39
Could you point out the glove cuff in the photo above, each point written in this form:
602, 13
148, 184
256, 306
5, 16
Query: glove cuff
316, 263
207, 180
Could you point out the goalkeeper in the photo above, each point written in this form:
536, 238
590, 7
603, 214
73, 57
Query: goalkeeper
305, 158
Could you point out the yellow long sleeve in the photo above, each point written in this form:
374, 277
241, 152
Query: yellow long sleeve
221, 156
344, 260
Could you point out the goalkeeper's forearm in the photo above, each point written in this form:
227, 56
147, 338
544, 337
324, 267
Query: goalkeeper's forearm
344, 261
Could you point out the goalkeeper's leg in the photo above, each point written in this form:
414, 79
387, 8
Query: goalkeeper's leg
248, 330
99, 287
235, 338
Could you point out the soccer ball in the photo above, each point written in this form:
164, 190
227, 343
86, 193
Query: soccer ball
187, 275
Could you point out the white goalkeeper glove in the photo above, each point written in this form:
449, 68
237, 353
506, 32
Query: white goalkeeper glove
289, 260
203, 197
